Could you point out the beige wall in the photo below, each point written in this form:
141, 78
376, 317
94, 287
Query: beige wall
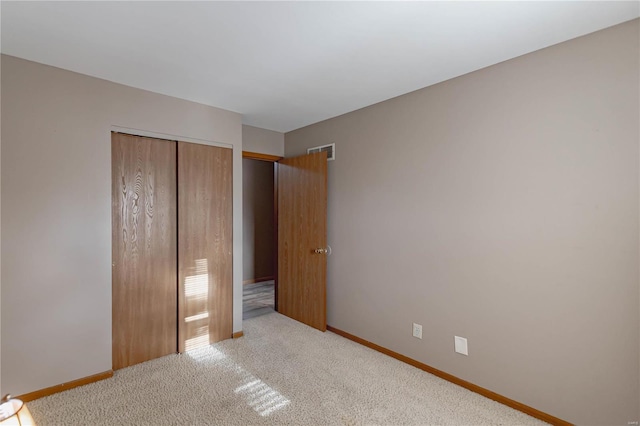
257, 219
1, 389
56, 212
263, 141
501, 206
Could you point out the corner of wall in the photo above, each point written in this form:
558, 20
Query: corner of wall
262, 141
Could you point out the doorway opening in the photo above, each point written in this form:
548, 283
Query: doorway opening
259, 262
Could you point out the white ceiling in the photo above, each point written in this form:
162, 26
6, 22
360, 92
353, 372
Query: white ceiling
284, 65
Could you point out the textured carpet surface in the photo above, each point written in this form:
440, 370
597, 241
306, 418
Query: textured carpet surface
280, 372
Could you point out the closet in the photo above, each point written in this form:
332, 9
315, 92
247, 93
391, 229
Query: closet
171, 247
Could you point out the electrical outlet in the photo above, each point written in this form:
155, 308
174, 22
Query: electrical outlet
460, 344
417, 330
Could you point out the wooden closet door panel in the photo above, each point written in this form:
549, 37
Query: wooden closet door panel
205, 244
144, 249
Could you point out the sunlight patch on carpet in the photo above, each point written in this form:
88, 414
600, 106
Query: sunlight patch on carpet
208, 354
262, 398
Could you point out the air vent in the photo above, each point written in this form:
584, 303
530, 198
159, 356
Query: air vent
329, 149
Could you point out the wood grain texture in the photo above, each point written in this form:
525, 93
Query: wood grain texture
261, 157
144, 249
32, 396
456, 380
258, 280
302, 227
205, 245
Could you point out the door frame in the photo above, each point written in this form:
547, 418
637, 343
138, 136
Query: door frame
271, 159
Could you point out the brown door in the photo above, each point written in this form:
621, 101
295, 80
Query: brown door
302, 239
143, 249
205, 244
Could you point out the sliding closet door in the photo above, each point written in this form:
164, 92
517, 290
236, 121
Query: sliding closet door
205, 287
144, 249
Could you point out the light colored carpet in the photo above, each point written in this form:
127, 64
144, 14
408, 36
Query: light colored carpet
281, 372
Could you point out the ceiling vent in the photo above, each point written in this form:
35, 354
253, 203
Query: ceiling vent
329, 149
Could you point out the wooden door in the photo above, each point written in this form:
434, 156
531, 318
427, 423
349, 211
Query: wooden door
143, 204
302, 228
205, 245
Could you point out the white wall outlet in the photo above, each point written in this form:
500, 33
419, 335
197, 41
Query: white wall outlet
461, 345
417, 330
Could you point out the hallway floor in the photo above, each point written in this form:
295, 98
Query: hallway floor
257, 299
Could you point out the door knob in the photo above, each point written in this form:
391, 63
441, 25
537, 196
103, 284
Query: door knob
326, 251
